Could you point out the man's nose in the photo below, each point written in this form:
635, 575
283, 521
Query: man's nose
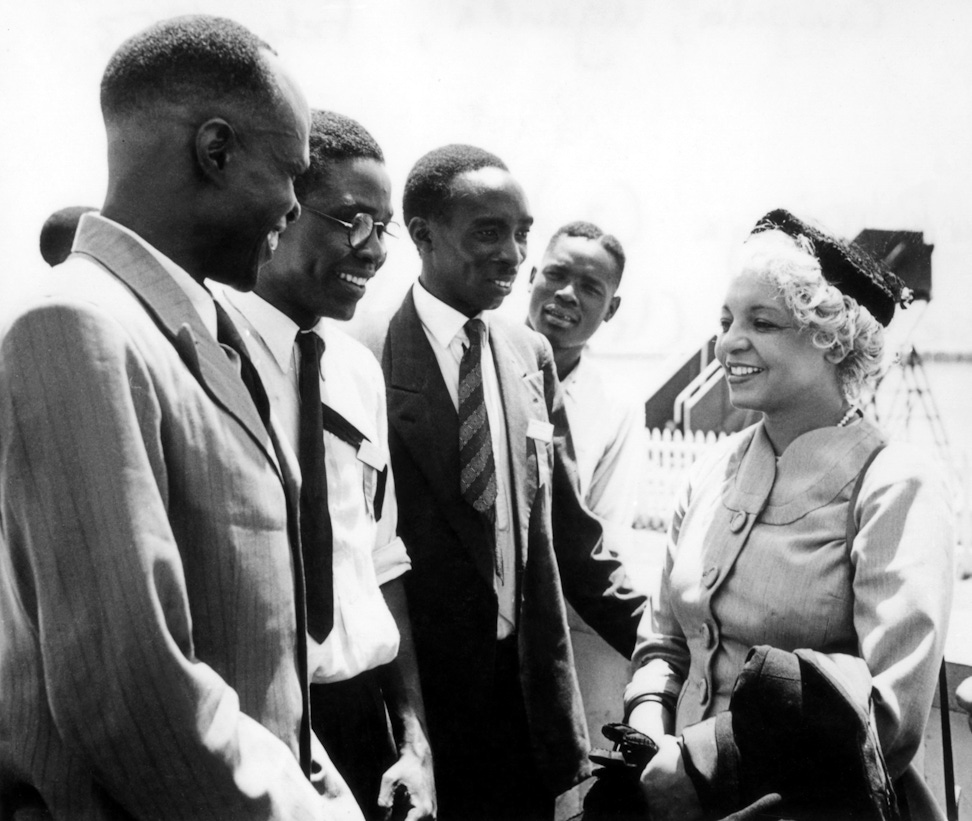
511, 252
566, 293
373, 250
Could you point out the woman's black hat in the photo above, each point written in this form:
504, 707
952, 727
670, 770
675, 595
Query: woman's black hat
847, 267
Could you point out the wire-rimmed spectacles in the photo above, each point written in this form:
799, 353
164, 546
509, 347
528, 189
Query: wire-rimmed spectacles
360, 229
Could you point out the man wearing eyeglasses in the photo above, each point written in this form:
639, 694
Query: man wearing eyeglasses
328, 393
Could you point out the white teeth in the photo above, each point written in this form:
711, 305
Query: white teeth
743, 370
359, 281
555, 314
272, 239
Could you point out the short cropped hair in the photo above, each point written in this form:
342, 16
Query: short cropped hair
334, 137
428, 187
589, 230
834, 321
57, 233
185, 59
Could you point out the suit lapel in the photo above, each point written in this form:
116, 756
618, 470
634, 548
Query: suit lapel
178, 321
421, 412
511, 371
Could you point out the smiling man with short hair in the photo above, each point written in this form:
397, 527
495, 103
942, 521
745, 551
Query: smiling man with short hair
152, 656
475, 421
360, 659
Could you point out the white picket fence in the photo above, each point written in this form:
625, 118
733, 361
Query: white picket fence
668, 456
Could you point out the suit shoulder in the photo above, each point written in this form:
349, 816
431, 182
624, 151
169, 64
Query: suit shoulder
88, 307
521, 336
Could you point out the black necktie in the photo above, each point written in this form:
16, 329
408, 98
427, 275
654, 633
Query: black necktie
226, 334
477, 477
315, 520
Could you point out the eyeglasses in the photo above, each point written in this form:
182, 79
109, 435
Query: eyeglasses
360, 229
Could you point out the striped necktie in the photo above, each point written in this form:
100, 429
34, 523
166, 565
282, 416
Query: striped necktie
477, 477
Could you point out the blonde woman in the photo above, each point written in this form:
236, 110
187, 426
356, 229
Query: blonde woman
811, 538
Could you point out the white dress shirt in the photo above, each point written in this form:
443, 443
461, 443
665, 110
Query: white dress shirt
367, 553
443, 326
605, 430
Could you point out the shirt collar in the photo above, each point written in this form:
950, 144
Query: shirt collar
200, 298
442, 321
277, 330
575, 377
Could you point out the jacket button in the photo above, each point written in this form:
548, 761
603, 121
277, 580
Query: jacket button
710, 575
738, 521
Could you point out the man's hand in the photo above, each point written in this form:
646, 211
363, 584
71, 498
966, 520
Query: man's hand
413, 772
339, 802
666, 786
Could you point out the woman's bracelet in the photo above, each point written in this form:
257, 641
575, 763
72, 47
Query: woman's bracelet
665, 699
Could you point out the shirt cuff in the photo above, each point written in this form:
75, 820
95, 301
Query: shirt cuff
391, 561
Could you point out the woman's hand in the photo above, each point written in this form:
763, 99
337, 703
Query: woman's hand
666, 787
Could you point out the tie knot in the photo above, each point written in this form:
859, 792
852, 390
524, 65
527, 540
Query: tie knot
476, 331
310, 345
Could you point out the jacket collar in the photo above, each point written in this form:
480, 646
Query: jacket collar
809, 474
131, 260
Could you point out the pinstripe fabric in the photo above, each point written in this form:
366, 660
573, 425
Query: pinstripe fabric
147, 658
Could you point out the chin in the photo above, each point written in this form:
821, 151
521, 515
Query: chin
233, 279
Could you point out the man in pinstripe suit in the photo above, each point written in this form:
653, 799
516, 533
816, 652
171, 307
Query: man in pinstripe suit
151, 651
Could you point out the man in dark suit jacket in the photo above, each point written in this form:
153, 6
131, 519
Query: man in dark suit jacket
490, 563
151, 596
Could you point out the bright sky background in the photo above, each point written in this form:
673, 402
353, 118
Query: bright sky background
673, 124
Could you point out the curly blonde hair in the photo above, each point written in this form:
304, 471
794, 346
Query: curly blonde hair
834, 321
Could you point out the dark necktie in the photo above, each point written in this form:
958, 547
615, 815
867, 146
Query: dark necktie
315, 520
226, 334
477, 477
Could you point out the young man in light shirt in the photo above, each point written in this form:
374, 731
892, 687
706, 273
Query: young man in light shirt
364, 665
573, 292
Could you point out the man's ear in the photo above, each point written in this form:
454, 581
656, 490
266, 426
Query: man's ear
421, 233
533, 274
216, 144
612, 308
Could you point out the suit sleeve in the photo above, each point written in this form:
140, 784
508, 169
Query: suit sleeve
99, 581
594, 580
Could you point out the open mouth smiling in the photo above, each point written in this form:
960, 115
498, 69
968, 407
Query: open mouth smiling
741, 370
351, 279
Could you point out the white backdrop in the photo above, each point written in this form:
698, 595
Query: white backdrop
673, 124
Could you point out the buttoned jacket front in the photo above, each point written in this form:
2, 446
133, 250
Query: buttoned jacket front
758, 555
